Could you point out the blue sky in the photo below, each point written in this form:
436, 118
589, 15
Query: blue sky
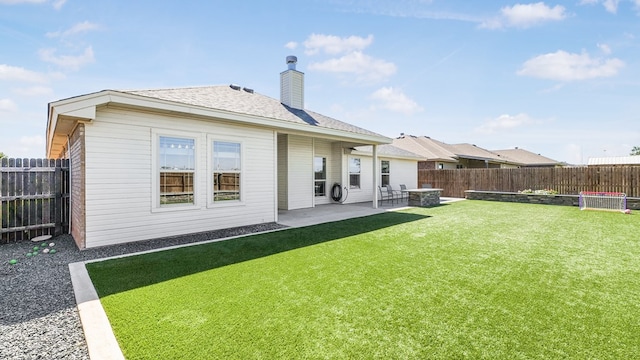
557, 78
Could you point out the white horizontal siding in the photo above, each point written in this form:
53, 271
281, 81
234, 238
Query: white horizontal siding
300, 172
119, 171
322, 148
403, 172
365, 192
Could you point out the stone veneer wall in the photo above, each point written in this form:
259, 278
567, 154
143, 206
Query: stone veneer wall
565, 200
424, 198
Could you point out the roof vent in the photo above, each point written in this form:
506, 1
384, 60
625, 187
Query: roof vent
291, 62
234, 86
250, 91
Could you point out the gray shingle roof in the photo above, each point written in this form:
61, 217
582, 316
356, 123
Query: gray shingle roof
525, 157
426, 147
471, 151
389, 150
223, 97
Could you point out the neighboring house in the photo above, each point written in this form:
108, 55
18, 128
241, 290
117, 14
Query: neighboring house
440, 155
155, 163
631, 160
525, 158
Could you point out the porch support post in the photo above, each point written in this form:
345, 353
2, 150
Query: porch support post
375, 176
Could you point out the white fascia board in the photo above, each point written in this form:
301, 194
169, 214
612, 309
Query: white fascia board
84, 105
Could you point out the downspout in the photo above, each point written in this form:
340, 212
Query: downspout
375, 176
70, 179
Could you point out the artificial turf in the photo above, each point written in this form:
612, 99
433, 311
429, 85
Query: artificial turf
471, 279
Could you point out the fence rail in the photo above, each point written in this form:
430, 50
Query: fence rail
568, 181
34, 198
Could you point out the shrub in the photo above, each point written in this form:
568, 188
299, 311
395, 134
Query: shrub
539, 192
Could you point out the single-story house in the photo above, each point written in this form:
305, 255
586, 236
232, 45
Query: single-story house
525, 158
153, 163
440, 155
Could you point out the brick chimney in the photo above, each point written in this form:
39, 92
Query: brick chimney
292, 85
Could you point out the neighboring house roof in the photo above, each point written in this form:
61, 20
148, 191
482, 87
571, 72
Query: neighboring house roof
615, 160
230, 103
389, 151
426, 147
471, 151
526, 157
434, 150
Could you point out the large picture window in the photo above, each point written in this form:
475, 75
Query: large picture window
227, 171
385, 170
354, 173
320, 176
176, 170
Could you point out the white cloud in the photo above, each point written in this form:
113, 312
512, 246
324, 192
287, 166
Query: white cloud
605, 48
14, 73
291, 45
395, 100
505, 122
564, 66
13, 2
75, 29
525, 15
609, 5
7, 105
334, 45
57, 4
67, 61
31, 141
34, 91
367, 68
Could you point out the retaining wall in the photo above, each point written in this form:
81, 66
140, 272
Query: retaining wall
564, 200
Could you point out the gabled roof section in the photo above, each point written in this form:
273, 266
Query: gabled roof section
471, 151
223, 102
526, 157
248, 102
390, 151
426, 147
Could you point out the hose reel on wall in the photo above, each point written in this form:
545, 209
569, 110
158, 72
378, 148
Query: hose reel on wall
336, 193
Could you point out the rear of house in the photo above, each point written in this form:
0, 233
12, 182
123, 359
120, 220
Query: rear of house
153, 163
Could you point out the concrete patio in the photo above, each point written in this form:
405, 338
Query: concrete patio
336, 212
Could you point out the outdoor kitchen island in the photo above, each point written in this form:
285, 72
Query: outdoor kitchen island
424, 197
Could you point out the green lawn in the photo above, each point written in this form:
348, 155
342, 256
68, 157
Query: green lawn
470, 280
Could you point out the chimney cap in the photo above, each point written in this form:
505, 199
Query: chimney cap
291, 59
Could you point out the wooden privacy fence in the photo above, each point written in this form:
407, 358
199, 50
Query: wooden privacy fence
34, 198
568, 180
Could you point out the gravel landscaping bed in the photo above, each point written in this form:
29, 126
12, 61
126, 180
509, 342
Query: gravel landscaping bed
38, 317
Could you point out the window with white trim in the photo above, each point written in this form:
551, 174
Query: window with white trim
227, 171
320, 176
385, 168
176, 170
354, 173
